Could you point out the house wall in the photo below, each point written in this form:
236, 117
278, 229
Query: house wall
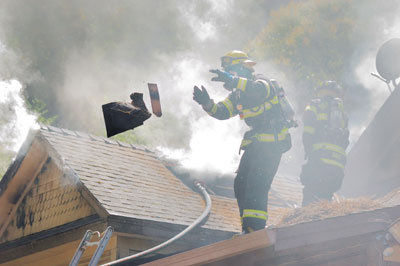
119, 246
129, 245
15, 184
62, 255
373, 162
53, 200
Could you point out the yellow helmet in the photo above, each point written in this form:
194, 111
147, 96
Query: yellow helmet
237, 57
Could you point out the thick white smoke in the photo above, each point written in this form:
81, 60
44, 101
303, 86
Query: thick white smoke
87, 57
15, 120
80, 55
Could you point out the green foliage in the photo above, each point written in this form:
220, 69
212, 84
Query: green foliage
129, 137
38, 107
313, 40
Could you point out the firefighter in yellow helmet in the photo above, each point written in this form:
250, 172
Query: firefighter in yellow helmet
261, 103
325, 139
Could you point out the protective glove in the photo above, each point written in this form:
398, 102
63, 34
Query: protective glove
201, 96
222, 76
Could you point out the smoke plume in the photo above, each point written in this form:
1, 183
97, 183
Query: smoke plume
15, 121
77, 55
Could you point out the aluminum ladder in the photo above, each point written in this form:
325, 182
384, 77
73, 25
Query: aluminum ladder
101, 245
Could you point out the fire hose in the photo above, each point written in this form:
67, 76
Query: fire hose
205, 213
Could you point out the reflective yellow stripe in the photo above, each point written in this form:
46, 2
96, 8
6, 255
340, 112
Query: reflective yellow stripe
214, 109
250, 113
245, 142
308, 129
255, 111
322, 116
242, 84
255, 214
274, 100
267, 105
237, 61
329, 146
282, 135
271, 137
228, 104
332, 162
265, 137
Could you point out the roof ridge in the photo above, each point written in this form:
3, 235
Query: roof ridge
84, 135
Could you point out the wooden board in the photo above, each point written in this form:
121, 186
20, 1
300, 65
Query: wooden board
155, 99
346, 240
221, 250
129, 245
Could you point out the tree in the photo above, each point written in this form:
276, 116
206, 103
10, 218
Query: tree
317, 40
38, 107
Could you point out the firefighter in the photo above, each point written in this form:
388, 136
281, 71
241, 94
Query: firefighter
325, 139
260, 103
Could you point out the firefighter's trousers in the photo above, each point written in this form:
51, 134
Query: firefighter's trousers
256, 172
320, 180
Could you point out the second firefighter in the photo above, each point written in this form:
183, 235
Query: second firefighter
325, 139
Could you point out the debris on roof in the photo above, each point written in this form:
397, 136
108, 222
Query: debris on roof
391, 199
326, 209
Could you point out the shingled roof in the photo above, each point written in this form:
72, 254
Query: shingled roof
126, 181
132, 182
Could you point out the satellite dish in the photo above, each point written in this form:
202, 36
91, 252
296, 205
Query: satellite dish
388, 59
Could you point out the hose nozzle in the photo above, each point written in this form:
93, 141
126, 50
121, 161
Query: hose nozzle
200, 185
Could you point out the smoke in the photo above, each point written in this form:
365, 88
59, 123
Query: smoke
15, 121
76, 56
383, 26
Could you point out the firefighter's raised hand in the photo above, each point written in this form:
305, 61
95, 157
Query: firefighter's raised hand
201, 96
224, 77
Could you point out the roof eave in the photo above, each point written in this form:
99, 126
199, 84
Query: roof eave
163, 230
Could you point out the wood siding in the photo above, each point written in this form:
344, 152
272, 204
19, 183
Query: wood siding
16, 190
53, 200
129, 245
62, 255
